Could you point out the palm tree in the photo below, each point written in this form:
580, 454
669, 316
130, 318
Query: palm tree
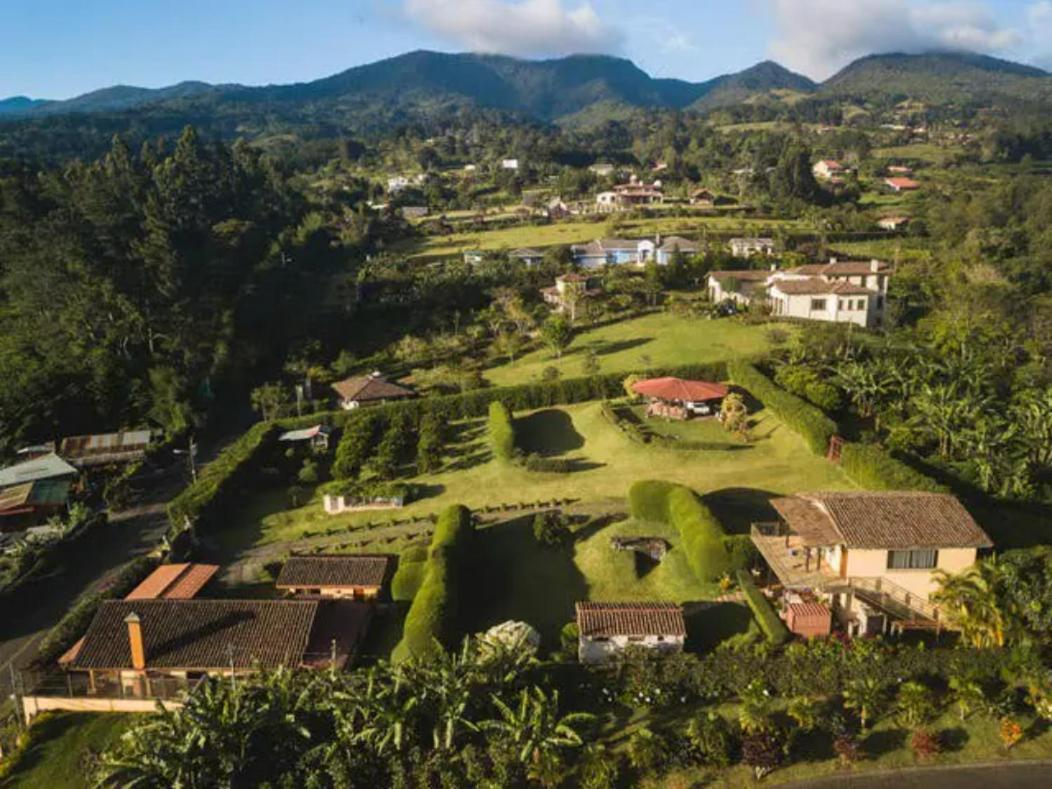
967, 694
864, 696
971, 604
534, 727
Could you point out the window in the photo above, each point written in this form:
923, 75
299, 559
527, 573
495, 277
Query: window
818, 305
921, 559
861, 304
841, 304
880, 302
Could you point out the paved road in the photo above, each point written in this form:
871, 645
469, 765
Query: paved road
1023, 775
86, 564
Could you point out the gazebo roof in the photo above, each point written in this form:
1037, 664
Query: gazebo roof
680, 389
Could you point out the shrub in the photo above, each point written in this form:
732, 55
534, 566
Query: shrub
813, 425
1010, 732
539, 463
648, 752
762, 751
356, 444
308, 473
550, 529
702, 538
924, 744
711, 736
501, 431
824, 395
873, 468
407, 579
432, 615
847, 748
769, 622
429, 446
569, 637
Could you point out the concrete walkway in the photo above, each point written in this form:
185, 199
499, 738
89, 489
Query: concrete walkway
997, 775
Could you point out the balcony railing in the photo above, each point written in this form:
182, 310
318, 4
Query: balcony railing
884, 590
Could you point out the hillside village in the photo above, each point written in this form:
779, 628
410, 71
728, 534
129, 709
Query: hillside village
719, 451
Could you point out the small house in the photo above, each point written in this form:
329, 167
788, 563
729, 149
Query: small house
105, 448
607, 629
473, 257
703, 198
676, 398
827, 169
527, 256
509, 164
414, 211
901, 184
26, 505
569, 290
372, 389
318, 437
358, 577
674, 244
893, 223
752, 247
49, 466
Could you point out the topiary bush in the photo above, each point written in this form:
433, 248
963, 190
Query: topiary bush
770, 623
501, 431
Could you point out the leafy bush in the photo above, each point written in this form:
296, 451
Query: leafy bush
407, 579
373, 489
356, 443
813, 425
702, 538
770, 623
76, 620
432, 614
429, 445
539, 463
872, 468
550, 529
501, 431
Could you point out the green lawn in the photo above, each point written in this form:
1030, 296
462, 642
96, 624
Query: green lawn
63, 745
928, 152
575, 232
664, 340
738, 482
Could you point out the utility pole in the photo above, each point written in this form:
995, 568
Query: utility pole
191, 454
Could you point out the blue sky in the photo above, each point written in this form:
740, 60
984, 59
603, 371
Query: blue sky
61, 48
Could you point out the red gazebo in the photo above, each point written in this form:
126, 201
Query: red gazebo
676, 398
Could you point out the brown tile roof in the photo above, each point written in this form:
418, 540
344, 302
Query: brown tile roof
630, 619
749, 275
807, 520
897, 519
815, 286
842, 268
333, 571
174, 582
672, 243
365, 388
200, 634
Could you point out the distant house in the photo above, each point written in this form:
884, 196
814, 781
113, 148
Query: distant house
613, 252
470, 168
397, 183
370, 389
474, 256
899, 169
749, 247
359, 577
509, 164
607, 629
676, 398
702, 198
414, 211
630, 195
827, 169
318, 436
741, 287
569, 290
606, 202
527, 255
602, 169
557, 209
893, 223
674, 244
901, 184
98, 450
870, 556
49, 466
812, 298
26, 505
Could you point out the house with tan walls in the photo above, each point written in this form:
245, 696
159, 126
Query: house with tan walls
872, 556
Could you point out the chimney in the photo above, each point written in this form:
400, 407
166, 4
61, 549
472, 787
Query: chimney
138, 649
874, 265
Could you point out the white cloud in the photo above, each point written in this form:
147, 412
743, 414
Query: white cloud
517, 27
1039, 15
818, 37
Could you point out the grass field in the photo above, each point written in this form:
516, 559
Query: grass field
62, 742
889, 249
664, 339
583, 231
928, 152
738, 482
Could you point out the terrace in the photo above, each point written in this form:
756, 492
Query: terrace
795, 561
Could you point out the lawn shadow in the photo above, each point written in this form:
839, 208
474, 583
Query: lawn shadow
548, 433
465, 461
954, 739
884, 741
710, 624
607, 348
45, 731
738, 508
428, 491
513, 577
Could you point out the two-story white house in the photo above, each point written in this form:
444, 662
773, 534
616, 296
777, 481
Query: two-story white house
741, 287
752, 247
872, 556
607, 629
828, 169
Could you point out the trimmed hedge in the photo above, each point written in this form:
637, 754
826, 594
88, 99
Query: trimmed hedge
771, 625
206, 497
76, 620
501, 430
432, 616
708, 548
873, 468
813, 426
407, 579
637, 434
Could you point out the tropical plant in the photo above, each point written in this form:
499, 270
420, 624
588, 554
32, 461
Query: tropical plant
763, 751
865, 696
969, 600
1010, 732
754, 714
648, 752
924, 744
915, 704
597, 768
534, 726
804, 712
968, 695
711, 736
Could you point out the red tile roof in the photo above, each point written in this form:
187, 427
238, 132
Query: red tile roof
679, 389
368, 388
630, 619
174, 582
333, 571
902, 183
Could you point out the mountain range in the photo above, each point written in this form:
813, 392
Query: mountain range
550, 90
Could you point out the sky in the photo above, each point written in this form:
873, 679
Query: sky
57, 49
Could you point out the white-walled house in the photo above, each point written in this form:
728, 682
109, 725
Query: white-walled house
749, 247
674, 244
828, 169
872, 556
741, 287
509, 164
607, 629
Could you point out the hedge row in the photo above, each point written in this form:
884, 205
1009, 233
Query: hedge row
814, 426
500, 428
432, 615
872, 468
207, 496
771, 625
710, 552
76, 620
635, 432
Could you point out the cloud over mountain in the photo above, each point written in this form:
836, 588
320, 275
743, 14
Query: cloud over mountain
817, 37
517, 27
